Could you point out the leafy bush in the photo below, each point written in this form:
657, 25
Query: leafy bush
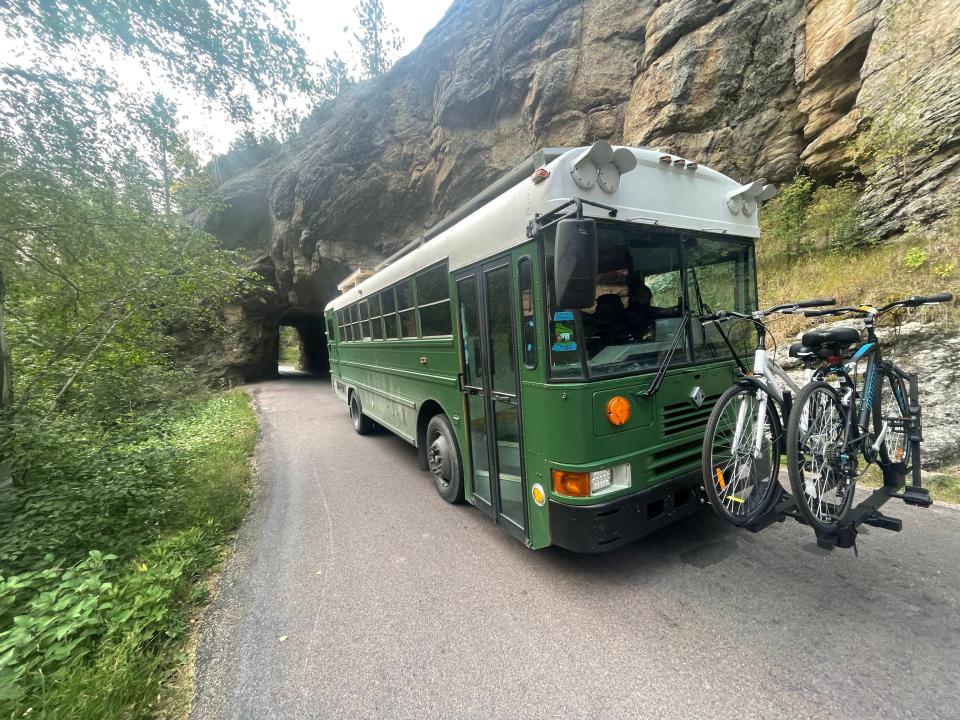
915, 258
804, 218
105, 541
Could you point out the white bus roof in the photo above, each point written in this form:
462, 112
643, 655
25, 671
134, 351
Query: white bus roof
672, 193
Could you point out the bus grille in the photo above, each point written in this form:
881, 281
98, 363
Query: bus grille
684, 417
675, 460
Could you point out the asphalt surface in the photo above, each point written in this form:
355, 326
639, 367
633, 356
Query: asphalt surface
354, 591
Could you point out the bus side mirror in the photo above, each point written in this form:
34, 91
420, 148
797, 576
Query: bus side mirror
575, 263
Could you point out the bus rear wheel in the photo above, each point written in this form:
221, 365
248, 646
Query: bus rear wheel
361, 423
443, 459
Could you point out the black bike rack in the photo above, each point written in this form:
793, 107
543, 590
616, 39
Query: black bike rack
865, 513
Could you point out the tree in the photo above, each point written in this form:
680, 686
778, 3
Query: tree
378, 41
99, 263
335, 79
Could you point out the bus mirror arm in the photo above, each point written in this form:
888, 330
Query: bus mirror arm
662, 370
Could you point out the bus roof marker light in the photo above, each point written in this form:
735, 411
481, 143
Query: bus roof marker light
666, 159
539, 175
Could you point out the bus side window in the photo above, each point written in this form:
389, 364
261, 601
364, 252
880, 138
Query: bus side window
406, 307
528, 334
389, 303
433, 302
376, 326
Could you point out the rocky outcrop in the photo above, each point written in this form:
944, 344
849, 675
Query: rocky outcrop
752, 87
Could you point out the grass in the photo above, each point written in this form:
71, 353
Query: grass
943, 483
920, 262
107, 635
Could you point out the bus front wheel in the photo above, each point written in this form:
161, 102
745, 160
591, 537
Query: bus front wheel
361, 423
443, 459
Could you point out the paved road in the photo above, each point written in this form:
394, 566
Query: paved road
355, 592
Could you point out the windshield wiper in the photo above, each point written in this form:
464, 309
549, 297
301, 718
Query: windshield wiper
662, 370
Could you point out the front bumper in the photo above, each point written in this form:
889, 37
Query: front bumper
605, 526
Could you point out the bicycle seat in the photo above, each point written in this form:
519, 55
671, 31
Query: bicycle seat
833, 341
799, 350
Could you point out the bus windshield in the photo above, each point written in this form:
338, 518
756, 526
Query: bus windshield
646, 280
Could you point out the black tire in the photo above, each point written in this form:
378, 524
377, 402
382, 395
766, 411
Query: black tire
443, 459
741, 490
892, 409
361, 423
814, 440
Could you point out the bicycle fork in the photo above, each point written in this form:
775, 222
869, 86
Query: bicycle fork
759, 363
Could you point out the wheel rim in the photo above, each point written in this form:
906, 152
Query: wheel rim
438, 459
740, 478
826, 489
354, 412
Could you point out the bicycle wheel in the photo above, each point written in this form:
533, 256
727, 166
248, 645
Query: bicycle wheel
823, 474
892, 411
740, 478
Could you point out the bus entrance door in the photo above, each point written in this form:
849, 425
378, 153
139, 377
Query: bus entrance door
490, 387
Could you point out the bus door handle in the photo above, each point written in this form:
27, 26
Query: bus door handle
504, 397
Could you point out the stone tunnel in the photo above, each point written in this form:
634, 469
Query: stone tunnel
314, 357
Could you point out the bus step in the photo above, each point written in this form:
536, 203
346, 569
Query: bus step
917, 496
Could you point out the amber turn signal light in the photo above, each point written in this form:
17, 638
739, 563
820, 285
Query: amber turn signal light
573, 484
618, 410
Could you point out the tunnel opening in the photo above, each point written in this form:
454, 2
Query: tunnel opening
302, 342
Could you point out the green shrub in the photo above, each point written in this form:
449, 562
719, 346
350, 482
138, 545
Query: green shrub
107, 538
915, 258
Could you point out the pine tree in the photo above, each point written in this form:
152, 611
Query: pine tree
378, 41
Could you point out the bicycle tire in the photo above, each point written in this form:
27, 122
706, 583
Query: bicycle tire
826, 517
892, 408
743, 507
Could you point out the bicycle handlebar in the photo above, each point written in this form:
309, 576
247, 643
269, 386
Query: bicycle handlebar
918, 300
913, 301
788, 307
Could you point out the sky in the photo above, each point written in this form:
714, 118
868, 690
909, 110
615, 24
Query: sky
322, 24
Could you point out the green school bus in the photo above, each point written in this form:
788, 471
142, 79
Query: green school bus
540, 347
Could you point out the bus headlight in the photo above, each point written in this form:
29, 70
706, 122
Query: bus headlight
589, 484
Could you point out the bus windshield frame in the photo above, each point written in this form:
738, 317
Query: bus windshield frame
648, 277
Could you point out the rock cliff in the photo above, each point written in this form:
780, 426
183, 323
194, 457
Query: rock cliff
751, 87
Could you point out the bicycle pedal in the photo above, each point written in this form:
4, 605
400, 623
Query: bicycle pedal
916, 496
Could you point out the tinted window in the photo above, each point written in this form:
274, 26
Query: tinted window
528, 333
432, 285
387, 300
390, 326
435, 319
408, 323
405, 295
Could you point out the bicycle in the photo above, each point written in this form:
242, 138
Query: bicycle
840, 423
743, 440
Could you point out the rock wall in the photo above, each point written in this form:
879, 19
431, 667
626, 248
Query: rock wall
751, 87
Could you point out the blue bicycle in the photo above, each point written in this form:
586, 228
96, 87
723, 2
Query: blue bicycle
835, 424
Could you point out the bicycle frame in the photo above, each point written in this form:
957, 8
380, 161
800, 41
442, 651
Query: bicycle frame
763, 367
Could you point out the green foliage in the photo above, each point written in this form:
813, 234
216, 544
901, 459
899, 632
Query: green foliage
377, 40
98, 595
915, 258
231, 53
805, 218
289, 346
